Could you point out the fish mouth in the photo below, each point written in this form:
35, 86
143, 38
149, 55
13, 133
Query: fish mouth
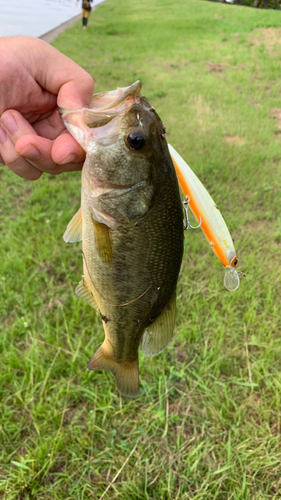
107, 100
101, 121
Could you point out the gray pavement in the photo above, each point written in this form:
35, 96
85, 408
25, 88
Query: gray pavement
51, 35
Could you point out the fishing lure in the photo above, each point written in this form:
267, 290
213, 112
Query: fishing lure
209, 218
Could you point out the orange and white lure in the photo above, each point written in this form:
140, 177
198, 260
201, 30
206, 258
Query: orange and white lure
209, 219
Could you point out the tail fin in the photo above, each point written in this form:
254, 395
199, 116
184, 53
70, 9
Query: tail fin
126, 372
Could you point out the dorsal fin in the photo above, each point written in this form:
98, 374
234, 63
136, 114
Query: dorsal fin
74, 229
157, 336
82, 291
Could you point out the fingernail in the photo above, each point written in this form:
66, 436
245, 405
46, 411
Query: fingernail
3, 136
69, 159
9, 123
31, 153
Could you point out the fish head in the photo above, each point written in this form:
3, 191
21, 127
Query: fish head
120, 123
127, 156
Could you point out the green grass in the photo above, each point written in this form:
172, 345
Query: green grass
207, 423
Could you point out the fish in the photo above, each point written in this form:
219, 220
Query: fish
209, 219
131, 226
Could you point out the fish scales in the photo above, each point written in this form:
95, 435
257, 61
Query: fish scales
132, 234
139, 263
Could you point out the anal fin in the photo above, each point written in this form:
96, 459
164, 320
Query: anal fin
82, 291
126, 372
74, 229
157, 336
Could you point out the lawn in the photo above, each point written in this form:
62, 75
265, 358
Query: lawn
207, 422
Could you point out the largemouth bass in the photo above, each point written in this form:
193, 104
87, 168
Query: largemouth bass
131, 226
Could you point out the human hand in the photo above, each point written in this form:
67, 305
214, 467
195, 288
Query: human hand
35, 78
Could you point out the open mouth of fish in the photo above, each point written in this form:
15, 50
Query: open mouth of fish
101, 122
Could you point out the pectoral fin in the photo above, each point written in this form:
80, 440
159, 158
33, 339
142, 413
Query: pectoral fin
157, 336
82, 291
74, 229
126, 372
103, 241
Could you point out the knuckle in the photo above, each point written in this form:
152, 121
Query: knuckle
32, 175
52, 168
11, 159
21, 167
88, 81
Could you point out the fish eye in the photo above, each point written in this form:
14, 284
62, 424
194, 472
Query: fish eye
136, 140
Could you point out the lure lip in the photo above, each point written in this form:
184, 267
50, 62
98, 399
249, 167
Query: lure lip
231, 279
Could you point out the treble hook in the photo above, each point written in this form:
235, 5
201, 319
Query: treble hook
186, 222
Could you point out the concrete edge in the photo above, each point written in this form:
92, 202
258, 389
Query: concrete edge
51, 35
